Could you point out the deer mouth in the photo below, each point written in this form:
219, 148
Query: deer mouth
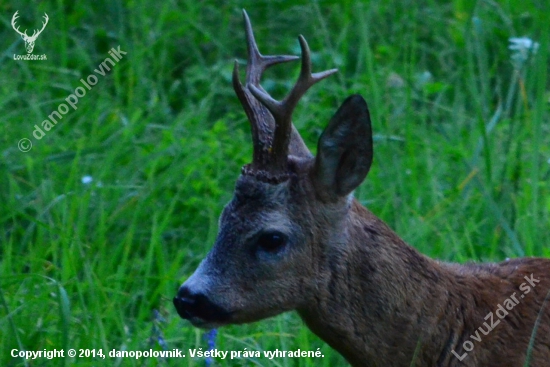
200, 311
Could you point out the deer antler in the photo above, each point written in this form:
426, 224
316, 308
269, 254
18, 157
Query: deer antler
261, 121
282, 110
13, 20
271, 148
36, 33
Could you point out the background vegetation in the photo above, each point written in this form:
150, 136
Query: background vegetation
461, 170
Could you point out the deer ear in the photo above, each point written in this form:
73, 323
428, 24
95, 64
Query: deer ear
344, 151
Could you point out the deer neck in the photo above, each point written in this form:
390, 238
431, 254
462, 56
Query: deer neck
377, 297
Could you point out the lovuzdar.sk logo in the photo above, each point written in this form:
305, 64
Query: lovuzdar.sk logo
29, 40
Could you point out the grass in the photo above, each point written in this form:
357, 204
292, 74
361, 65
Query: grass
461, 170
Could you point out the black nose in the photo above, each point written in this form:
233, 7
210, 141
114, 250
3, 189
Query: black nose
197, 305
185, 303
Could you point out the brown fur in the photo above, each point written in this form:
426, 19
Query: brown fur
380, 300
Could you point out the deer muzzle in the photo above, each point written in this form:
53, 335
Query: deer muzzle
193, 302
198, 308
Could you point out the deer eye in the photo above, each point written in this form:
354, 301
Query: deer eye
271, 241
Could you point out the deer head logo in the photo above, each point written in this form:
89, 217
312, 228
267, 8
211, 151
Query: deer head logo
29, 40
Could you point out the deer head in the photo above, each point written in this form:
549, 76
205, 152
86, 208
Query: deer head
29, 40
289, 209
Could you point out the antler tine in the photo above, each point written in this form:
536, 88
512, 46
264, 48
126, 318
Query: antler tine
282, 110
257, 63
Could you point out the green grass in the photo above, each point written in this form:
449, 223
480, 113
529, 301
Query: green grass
461, 169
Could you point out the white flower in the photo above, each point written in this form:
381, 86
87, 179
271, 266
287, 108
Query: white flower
523, 44
86, 180
521, 48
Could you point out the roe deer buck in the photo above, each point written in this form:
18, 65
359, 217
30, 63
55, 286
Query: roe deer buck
293, 238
